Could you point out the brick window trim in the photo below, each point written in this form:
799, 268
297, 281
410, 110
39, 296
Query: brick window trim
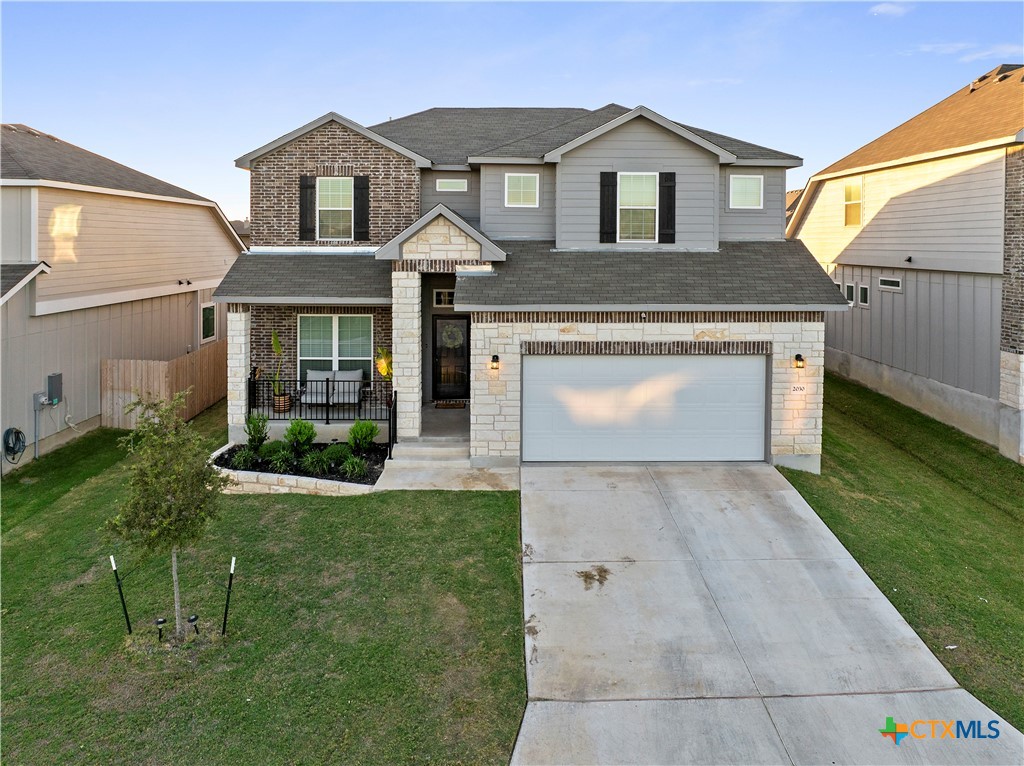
646, 348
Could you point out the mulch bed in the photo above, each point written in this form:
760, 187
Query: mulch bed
374, 457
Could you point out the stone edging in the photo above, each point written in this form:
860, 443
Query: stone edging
256, 483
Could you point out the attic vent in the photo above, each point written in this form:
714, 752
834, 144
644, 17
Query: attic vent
1003, 77
334, 169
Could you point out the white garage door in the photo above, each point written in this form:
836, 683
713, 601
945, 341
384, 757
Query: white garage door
643, 408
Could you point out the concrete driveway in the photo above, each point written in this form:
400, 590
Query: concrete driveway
705, 614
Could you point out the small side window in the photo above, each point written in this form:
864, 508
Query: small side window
852, 207
444, 298
451, 184
890, 283
851, 292
863, 295
208, 316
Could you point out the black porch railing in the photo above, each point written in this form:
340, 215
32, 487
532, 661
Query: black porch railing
320, 400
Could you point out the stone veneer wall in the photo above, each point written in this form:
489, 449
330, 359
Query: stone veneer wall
795, 427
239, 318
331, 150
284, 319
407, 350
441, 239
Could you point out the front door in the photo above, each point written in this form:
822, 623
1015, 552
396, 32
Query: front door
451, 356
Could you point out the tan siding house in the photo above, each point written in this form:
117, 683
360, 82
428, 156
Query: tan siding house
122, 270
921, 231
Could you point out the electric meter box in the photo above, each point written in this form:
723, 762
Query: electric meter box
54, 388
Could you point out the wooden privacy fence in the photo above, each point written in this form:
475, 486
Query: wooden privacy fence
122, 381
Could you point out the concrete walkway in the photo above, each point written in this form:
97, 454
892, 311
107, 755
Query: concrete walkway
704, 614
398, 476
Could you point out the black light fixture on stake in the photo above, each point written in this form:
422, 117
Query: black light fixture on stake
193, 620
160, 622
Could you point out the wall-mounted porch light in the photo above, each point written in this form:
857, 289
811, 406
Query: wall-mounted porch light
495, 362
798, 361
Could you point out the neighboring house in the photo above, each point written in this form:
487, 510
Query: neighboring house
792, 200
601, 285
923, 229
242, 230
97, 261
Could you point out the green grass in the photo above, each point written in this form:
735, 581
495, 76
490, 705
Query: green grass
936, 518
381, 628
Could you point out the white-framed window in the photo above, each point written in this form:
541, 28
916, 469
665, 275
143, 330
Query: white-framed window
852, 193
207, 322
851, 292
890, 283
638, 207
863, 295
336, 342
334, 207
444, 298
451, 184
522, 190
746, 192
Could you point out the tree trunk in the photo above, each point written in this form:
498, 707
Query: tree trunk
177, 595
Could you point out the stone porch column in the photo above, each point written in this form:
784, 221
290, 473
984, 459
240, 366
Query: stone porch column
407, 351
239, 322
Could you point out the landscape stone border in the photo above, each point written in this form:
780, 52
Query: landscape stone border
258, 483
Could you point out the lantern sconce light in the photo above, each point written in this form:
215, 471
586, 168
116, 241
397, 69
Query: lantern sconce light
798, 361
495, 362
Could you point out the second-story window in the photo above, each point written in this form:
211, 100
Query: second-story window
852, 205
334, 208
746, 192
522, 190
638, 207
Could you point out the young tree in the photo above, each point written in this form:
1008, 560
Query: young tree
173, 490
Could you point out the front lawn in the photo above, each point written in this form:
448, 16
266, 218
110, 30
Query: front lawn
384, 628
936, 518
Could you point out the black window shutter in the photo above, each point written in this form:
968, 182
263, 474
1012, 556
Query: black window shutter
361, 208
609, 203
667, 208
307, 208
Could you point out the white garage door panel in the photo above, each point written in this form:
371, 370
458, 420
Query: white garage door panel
644, 408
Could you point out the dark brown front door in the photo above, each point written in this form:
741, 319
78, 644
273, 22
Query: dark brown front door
451, 356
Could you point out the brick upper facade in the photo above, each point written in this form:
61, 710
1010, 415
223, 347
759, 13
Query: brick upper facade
331, 149
1012, 331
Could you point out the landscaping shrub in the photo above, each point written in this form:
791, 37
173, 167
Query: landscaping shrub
268, 450
281, 461
300, 437
355, 468
315, 462
336, 454
244, 459
361, 436
256, 430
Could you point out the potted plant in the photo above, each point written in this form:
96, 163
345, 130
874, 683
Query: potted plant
383, 363
282, 399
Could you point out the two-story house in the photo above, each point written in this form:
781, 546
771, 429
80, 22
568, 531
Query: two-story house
590, 285
98, 261
923, 231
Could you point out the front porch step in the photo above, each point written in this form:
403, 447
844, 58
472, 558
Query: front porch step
426, 454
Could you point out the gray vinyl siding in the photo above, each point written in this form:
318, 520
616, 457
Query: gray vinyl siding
16, 224
500, 222
767, 223
75, 342
943, 325
466, 204
638, 146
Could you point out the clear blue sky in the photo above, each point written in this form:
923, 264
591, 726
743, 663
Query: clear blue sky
178, 90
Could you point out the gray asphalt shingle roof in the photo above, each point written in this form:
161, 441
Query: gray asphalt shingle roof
12, 273
30, 154
740, 274
448, 136
306, 277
